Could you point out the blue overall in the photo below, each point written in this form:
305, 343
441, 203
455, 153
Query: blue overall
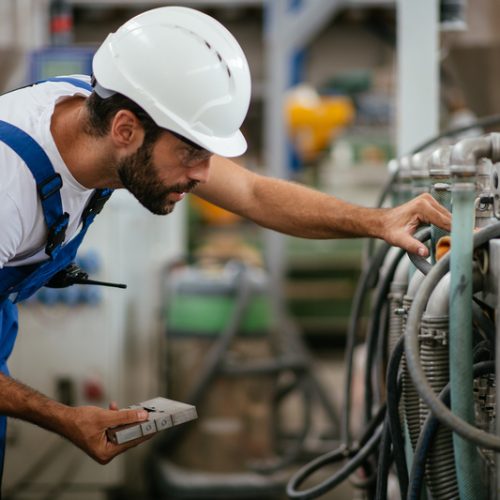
19, 283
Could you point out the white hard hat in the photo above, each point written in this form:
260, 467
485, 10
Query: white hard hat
185, 69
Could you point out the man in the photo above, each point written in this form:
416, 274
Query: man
160, 118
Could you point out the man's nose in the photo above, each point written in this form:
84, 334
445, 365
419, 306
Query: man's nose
201, 171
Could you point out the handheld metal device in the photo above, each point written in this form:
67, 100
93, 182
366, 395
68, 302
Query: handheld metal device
163, 414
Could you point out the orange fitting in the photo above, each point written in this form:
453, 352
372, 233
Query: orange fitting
443, 247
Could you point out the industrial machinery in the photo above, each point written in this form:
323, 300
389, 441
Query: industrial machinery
225, 358
429, 380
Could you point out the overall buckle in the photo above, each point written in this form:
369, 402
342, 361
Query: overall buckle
97, 202
57, 233
49, 186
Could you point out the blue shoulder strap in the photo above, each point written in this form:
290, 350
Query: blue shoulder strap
48, 181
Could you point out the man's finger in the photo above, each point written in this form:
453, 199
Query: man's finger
422, 250
412, 245
123, 417
441, 219
430, 211
120, 448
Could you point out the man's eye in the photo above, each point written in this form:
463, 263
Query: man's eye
199, 156
185, 155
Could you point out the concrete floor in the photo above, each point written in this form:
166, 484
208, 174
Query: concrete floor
329, 369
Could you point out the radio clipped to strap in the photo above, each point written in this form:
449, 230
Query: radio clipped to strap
73, 275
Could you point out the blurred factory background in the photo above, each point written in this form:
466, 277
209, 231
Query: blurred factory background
249, 325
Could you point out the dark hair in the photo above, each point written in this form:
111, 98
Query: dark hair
101, 112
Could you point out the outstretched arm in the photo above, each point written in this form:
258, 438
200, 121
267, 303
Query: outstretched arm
300, 211
85, 426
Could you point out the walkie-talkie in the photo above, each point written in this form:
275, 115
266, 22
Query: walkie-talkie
74, 275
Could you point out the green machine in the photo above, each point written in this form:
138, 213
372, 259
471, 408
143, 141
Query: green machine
226, 356
200, 301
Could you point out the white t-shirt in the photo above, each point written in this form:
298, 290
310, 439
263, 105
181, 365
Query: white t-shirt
23, 233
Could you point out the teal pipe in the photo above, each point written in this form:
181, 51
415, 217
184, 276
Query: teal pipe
467, 460
440, 191
440, 176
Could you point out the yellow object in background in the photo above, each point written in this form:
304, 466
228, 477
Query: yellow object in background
314, 120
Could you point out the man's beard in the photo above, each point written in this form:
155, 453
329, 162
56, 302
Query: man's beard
137, 174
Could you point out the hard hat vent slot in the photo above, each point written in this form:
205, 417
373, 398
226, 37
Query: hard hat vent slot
209, 46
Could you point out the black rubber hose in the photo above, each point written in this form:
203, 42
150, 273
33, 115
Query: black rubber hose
420, 262
483, 322
482, 351
365, 283
367, 447
444, 415
396, 431
387, 189
428, 432
380, 334
424, 267
486, 121
385, 458
371, 342
381, 354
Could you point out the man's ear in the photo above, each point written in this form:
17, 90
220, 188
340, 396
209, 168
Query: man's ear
126, 130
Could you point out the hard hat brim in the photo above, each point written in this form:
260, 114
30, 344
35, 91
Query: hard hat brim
228, 147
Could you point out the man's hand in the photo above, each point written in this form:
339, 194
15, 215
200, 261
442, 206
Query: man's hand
299, 211
401, 222
86, 427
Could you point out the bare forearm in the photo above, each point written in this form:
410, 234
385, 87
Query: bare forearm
20, 401
85, 426
300, 211
285, 206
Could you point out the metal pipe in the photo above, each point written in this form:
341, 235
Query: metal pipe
485, 201
461, 377
403, 187
440, 191
419, 172
399, 286
439, 172
440, 159
468, 152
434, 337
490, 441
439, 301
